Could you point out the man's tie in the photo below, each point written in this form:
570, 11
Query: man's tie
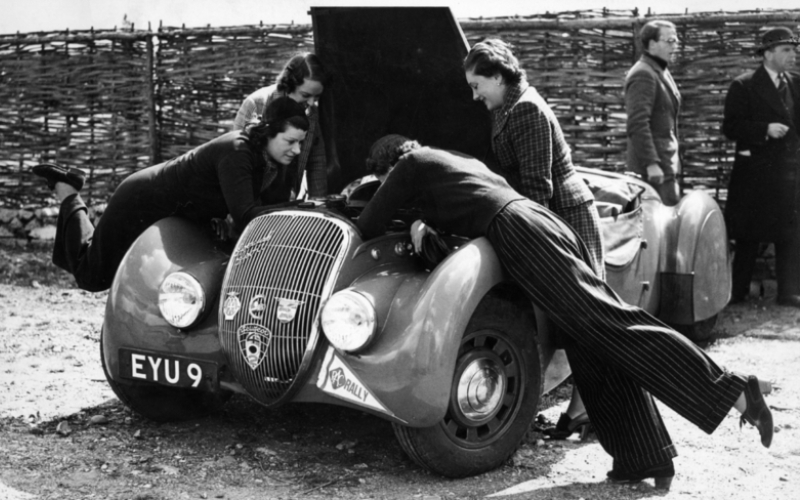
783, 90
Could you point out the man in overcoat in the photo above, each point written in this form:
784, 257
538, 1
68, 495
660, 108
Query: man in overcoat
652, 102
762, 113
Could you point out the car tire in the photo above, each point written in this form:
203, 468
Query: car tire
164, 404
702, 333
485, 423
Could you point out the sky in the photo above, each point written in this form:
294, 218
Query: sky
52, 15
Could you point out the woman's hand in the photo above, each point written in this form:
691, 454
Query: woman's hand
223, 228
418, 231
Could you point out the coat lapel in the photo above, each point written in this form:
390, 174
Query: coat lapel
666, 79
764, 86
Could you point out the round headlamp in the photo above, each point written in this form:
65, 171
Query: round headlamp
348, 321
181, 299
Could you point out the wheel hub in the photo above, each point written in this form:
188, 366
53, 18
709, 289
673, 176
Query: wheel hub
480, 389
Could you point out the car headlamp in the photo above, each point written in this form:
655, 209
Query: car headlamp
348, 321
181, 299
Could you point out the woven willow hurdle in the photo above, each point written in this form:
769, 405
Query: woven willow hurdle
112, 102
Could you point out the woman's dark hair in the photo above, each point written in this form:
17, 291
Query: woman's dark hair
492, 57
386, 151
305, 66
278, 115
652, 31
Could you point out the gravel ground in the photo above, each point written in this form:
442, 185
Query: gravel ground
64, 435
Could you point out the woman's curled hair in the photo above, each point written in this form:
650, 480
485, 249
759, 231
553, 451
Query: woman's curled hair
386, 151
304, 66
278, 115
492, 57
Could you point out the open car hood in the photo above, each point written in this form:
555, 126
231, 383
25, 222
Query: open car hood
396, 70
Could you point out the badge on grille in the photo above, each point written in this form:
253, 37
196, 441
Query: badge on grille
287, 309
258, 305
254, 341
231, 305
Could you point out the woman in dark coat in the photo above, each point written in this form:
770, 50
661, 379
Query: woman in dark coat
621, 356
240, 173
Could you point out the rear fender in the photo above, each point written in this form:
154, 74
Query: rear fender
696, 272
132, 318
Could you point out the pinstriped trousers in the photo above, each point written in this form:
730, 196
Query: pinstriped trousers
621, 356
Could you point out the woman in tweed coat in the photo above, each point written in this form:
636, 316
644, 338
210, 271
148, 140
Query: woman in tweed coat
534, 158
303, 78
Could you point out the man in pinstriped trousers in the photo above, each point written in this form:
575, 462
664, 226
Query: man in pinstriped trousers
620, 355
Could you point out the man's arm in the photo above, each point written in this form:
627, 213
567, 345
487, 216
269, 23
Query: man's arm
738, 123
640, 96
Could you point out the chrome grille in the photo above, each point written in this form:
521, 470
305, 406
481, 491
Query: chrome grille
280, 258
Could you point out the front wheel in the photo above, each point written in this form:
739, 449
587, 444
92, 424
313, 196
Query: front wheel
164, 404
493, 398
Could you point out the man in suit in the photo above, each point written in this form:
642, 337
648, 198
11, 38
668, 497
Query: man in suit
762, 112
652, 102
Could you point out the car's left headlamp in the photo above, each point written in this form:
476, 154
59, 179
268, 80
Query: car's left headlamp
181, 299
348, 320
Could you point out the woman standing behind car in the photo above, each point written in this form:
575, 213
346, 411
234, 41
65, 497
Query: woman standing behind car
241, 173
303, 79
535, 159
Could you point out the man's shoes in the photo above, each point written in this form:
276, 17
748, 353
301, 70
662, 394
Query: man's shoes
788, 300
757, 412
53, 173
567, 426
662, 473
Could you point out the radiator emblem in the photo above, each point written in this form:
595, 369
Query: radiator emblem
231, 305
258, 305
287, 309
254, 341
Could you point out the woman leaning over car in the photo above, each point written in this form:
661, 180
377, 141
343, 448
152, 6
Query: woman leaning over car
535, 159
303, 79
240, 173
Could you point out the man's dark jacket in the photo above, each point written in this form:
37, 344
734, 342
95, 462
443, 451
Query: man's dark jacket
763, 196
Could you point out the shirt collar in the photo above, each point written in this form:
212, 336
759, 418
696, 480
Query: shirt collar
774, 76
513, 93
662, 63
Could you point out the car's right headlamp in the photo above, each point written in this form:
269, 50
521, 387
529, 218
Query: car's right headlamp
348, 320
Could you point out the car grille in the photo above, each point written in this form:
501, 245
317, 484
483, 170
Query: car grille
284, 258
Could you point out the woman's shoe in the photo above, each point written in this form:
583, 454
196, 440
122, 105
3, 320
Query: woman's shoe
662, 473
567, 426
53, 173
757, 412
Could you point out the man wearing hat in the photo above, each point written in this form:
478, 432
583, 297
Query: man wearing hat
762, 113
653, 102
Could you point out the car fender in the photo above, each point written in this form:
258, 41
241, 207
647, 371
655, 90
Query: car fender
409, 366
132, 317
695, 268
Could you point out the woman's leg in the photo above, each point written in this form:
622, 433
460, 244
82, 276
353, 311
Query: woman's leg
550, 263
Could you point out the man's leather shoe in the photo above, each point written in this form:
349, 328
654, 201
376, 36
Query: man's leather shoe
757, 412
662, 473
53, 173
788, 300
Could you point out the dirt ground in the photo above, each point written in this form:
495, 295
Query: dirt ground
63, 434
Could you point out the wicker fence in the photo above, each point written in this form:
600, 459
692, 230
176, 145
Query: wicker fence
112, 102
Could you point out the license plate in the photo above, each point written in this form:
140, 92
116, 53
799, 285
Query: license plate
168, 370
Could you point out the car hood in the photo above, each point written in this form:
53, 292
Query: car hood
396, 70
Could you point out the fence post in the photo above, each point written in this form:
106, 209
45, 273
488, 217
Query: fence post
155, 149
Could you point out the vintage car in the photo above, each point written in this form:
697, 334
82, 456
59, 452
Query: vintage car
302, 309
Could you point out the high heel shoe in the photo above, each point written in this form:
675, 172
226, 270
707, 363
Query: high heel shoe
53, 173
757, 412
662, 473
567, 426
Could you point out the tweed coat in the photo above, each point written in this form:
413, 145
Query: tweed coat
312, 157
763, 192
652, 102
533, 156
